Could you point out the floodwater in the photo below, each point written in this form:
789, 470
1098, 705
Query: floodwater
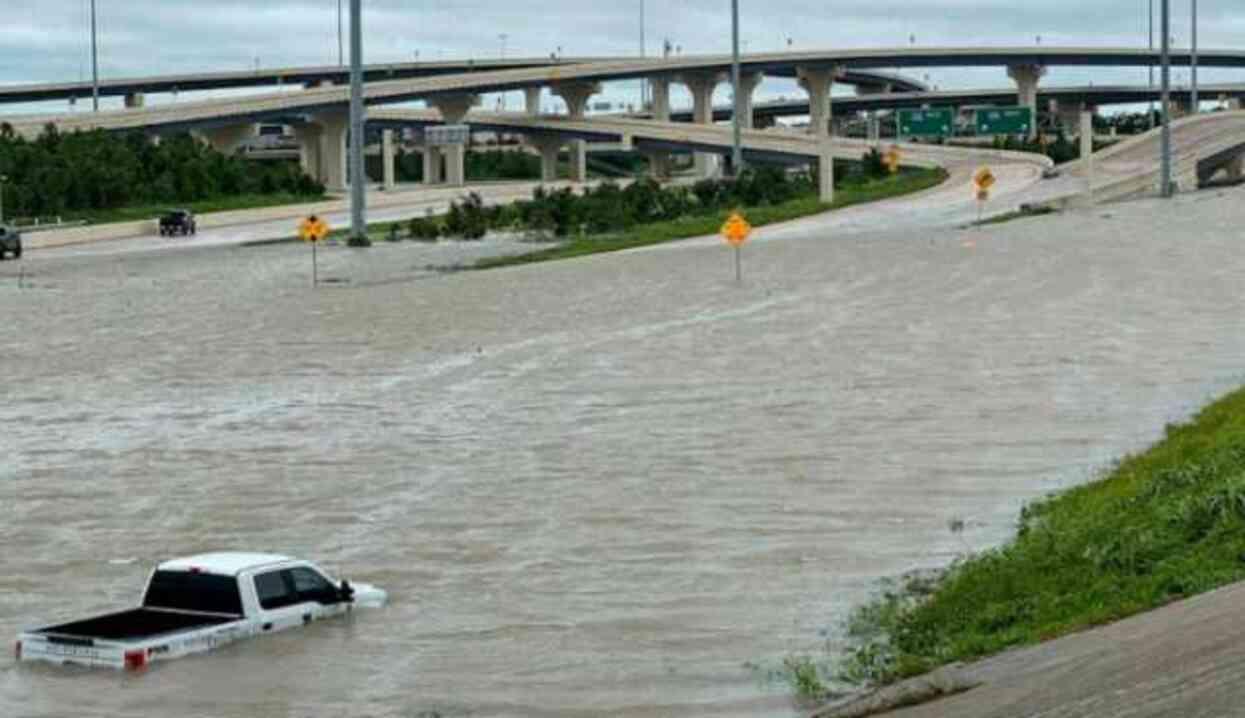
606, 486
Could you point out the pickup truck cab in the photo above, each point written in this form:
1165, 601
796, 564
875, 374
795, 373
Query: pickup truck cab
192, 605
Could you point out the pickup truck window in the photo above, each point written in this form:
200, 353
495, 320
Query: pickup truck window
310, 585
200, 592
274, 590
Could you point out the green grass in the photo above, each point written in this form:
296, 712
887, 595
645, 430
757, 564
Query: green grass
1162, 525
228, 204
699, 225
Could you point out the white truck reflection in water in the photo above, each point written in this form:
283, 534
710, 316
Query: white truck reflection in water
192, 605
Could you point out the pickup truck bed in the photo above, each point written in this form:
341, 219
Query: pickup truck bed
137, 624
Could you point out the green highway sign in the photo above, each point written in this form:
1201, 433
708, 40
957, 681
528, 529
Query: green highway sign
1004, 121
926, 123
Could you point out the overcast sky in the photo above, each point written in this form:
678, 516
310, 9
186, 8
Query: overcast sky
48, 40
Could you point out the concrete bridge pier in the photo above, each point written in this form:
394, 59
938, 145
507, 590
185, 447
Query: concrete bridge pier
748, 83
658, 164
702, 86
334, 128
817, 82
825, 176
453, 109
388, 159
576, 96
1027, 78
549, 146
660, 88
308, 136
531, 101
135, 100
433, 166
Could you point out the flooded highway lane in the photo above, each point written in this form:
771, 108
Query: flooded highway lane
595, 486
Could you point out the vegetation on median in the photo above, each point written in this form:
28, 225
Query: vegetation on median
100, 176
1160, 526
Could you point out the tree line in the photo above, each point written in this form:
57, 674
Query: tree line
62, 173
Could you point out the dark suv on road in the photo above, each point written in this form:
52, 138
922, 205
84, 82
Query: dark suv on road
177, 221
10, 242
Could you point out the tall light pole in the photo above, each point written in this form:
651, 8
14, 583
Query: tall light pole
643, 54
503, 38
341, 50
1193, 100
94, 63
358, 180
737, 152
1150, 117
1165, 161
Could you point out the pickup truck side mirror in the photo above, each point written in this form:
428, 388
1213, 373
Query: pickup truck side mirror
346, 592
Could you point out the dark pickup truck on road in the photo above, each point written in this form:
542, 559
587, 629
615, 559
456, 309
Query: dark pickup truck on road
178, 221
10, 243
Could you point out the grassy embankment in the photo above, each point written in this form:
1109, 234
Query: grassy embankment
907, 182
1162, 525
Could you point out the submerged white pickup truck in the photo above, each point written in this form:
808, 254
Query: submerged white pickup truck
192, 605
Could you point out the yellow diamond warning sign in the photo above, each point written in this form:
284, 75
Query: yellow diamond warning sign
736, 230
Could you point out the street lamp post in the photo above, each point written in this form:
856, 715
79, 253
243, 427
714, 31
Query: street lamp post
1150, 117
94, 62
341, 50
1166, 160
358, 180
503, 37
1193, 67
737, 153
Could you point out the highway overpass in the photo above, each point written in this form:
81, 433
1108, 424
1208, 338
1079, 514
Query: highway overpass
319, 114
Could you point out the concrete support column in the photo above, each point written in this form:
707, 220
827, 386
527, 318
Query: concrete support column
658, 164
455, 165
135, 100
825, 176
334, 129
576, 96
702, 86
388, 159
432, 165
817, 82
748, 83
579, 160
1026, 78
1181, 108
308, 137
227, 140
531, 101
549, 146
1070, 117
660, 87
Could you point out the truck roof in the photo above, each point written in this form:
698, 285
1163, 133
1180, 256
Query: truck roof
224, 563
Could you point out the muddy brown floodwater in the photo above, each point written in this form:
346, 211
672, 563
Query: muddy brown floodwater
593, 487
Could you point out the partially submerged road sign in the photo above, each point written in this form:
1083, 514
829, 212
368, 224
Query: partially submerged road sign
313, 229
736, 230
934, 122
891, 159
1004, 121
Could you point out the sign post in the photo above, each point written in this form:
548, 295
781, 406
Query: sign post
983, 180
313, 230
736, 231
